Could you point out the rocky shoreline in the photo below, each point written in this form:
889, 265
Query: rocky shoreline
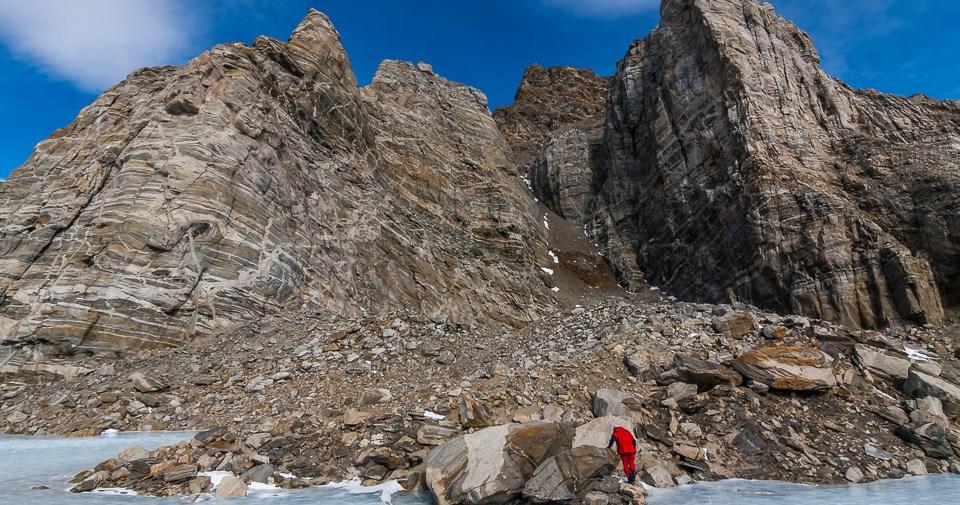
713, 392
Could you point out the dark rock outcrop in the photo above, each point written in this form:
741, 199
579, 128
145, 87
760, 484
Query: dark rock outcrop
731, 167
548, 101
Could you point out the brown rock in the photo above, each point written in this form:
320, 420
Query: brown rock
702, 373
180, 473
474, 413
788, 367
736, 324
146, 384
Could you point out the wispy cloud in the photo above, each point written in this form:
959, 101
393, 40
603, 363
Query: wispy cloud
606, 8
94, 43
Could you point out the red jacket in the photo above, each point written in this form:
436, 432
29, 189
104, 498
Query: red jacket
624, 440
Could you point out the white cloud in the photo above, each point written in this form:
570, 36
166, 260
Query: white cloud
606, 8
94, 43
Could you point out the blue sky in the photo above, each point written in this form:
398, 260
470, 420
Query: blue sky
56, 55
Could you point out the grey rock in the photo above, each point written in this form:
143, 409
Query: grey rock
680, 391
876, 452
702, 373
881, 363
561, 477
230, 486
610, 402
597, 432
854, 475
374, 396
929, 437
657, 475
430, 434
259, 473
180, 473
919, 385
686, 190
494, 464
133, 453
916, 467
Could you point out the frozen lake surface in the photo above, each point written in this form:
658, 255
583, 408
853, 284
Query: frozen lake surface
26, 462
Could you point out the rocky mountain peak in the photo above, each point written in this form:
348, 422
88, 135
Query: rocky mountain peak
731, 167
316, 48
547, 101
260, 179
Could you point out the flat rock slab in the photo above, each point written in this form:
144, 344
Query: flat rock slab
790, 368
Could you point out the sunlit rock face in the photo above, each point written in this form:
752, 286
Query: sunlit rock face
731, 167
260, 178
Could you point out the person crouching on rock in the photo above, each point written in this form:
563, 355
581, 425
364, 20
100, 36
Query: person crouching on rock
627, 449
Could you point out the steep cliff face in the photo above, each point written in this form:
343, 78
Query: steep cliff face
258, 178
732, 167
553, 127
548, 101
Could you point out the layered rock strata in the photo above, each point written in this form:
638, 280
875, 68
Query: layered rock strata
732, 167
261, 178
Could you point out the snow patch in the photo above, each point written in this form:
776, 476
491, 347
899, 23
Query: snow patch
554, 256
546, 222
548, 271
917, 354
555, 289
526, 180
433, 415
114, 491
215, 477
110, 432
386, 490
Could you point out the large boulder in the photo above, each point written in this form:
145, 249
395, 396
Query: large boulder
597, 432
881, 363
934, 440
610, 402
561, 477
736, 324
697, 371
790, 368
494, 464
920, 385
474, 413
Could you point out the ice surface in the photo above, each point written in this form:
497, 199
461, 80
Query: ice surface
26, 462
939, 490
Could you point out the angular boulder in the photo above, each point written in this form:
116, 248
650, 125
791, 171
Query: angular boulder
561, 477
494, 464
931, 438
597, 432
791, 368
920, 385
881, 363
474, 413
147, 384
610, 402
230, 486
697, 371
736, 324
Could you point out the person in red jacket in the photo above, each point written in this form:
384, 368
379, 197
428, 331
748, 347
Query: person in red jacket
627, 449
